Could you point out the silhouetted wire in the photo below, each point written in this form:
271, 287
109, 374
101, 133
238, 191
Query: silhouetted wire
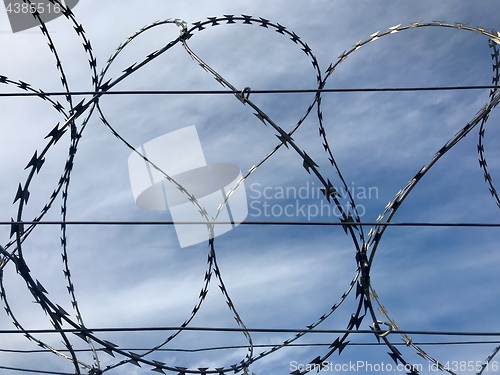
230, 347
18, 369
48, 306
283, 223
263, 91
254, 330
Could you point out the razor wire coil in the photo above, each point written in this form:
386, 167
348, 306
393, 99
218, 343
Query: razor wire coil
365, 245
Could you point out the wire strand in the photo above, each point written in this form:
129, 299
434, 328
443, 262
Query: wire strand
281, 223
254, 330
262, 91
19, 369
260, 346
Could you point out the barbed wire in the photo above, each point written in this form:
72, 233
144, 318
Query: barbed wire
365, 245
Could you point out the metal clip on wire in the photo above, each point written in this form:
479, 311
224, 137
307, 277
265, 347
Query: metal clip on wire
386, 333
244, 94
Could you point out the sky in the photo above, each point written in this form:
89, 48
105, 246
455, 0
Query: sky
273, 277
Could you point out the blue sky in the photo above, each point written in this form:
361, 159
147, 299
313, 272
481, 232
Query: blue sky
428, 278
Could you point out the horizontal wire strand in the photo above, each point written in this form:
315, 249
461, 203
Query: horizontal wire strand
262, 91
19, 369
254, 330
261, 346
281, 223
